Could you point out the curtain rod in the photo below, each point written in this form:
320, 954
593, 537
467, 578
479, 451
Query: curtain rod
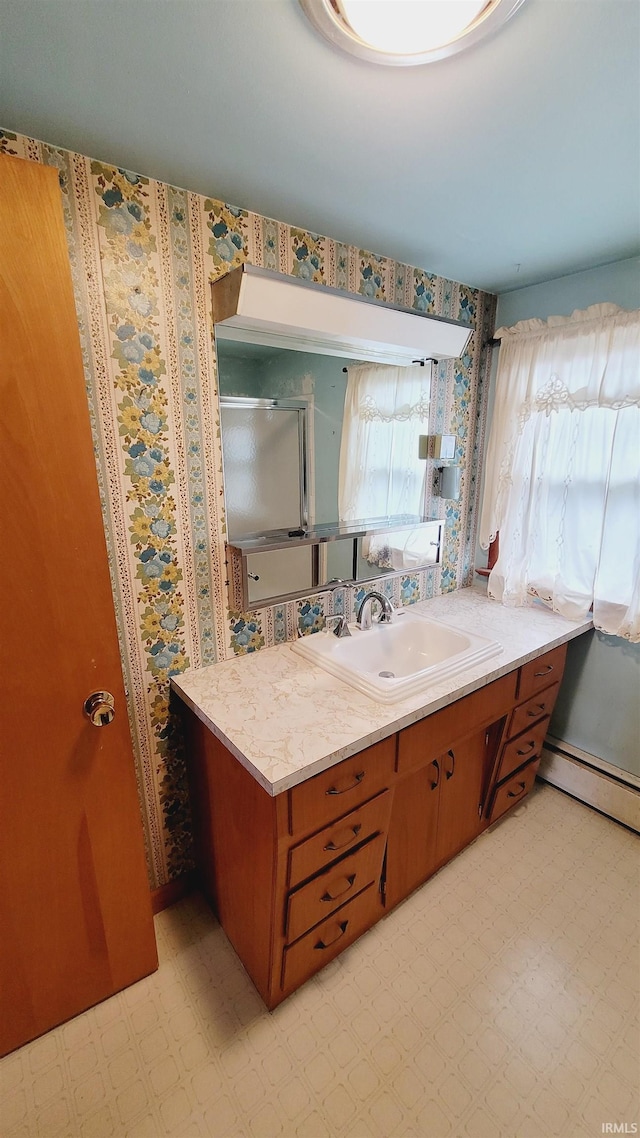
493, 342
428, 359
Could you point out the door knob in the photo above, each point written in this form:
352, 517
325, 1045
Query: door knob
99, 707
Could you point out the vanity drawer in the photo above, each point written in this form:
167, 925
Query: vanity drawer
323, 943
337, 790
329, 890
521, 750
339, 837
512, 791
426, 740
538, 674
535, 708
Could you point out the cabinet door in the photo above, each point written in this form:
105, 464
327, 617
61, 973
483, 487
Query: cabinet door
412, 841
460, 792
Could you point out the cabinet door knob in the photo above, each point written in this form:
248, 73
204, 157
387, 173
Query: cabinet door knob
525, 750
342, 928
357, 780
452, 756
345, 882
351, 833
436, 764
99, 708
517, 793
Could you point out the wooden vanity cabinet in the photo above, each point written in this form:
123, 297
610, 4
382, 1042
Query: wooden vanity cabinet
296, 878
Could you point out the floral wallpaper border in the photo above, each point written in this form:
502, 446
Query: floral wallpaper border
142, 257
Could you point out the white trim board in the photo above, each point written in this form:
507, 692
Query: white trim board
621, 775
620, 799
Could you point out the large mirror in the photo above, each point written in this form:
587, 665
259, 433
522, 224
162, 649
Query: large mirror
282, 414
324, 399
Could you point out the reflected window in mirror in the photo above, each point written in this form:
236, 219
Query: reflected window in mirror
381, 473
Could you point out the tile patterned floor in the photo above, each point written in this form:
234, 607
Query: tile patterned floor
500, 1001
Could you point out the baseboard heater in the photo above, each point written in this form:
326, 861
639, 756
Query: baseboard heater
609, 789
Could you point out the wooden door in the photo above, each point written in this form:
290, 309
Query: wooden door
75, 911
412, 841
461, 784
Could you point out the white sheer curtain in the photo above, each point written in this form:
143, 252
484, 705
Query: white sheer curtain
562, 483
386, 410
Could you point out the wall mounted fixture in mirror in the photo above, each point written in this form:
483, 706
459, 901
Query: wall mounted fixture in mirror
271, 568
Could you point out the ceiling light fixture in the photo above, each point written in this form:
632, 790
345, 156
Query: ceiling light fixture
407, 32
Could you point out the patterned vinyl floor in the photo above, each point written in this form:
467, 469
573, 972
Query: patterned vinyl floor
499, 1001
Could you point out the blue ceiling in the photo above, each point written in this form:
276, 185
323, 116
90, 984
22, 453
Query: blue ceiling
515, 162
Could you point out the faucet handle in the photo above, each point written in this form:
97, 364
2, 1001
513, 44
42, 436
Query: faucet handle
341, 628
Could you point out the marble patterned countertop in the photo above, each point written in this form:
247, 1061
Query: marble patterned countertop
286, 719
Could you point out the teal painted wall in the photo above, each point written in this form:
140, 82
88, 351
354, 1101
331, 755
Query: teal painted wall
618, 283
238, 376
599, 705
299, 375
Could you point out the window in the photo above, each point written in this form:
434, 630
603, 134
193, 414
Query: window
563, 467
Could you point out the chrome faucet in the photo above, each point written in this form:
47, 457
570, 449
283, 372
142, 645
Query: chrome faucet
363, 617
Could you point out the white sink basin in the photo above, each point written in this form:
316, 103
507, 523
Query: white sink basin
392, 661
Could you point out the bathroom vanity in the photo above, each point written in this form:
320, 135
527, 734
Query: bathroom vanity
317, 811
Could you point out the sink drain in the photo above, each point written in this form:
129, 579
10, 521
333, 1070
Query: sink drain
387, 675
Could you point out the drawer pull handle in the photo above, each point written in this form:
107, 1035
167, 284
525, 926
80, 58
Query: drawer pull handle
353, 833
517, 793
342, 928
537, 710
525, 750
449, 773
545, 671
340, 892
435, 764
358, 779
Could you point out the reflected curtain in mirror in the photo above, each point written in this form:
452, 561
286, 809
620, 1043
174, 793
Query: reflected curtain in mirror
381, 475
